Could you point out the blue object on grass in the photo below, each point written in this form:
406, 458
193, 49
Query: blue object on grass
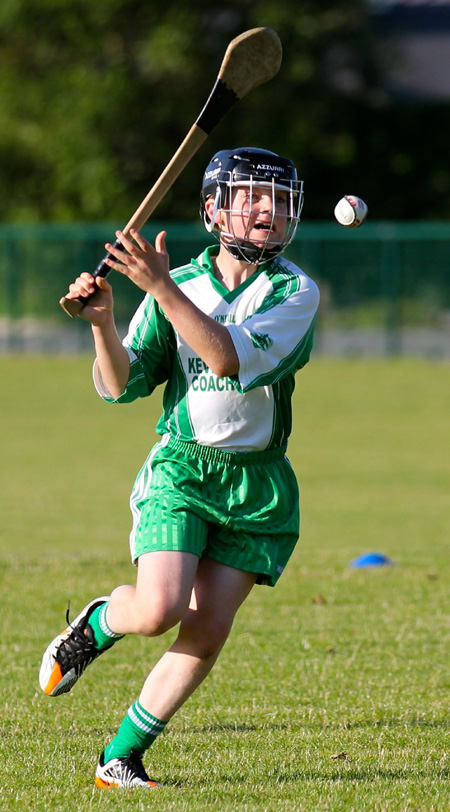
371, 560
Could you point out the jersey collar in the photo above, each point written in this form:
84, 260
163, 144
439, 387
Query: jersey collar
205, 263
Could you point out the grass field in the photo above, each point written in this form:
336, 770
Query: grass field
335, 660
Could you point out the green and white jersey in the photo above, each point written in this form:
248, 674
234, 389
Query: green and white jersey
270, 318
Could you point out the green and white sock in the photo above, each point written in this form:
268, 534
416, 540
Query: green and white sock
104, 637
137, 732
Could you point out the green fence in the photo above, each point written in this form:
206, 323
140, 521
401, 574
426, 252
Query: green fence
385, 288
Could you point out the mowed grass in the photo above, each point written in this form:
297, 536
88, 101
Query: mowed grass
335, 661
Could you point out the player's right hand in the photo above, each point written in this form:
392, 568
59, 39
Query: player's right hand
99, 308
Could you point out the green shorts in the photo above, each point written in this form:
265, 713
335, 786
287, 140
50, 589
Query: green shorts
239, 509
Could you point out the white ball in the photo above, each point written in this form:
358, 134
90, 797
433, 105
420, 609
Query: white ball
351, 211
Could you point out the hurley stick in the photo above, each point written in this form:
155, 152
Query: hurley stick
251, 59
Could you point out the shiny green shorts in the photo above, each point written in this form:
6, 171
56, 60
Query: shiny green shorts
239, 509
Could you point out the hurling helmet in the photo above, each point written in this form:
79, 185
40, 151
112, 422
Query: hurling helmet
254, 168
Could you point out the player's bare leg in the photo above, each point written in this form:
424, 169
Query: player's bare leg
171, 586
218, 593
157, 602
160, 598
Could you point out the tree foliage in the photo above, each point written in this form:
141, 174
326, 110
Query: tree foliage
96, 97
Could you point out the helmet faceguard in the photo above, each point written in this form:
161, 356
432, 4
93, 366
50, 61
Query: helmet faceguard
254, 170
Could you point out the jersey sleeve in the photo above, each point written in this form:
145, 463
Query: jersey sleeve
150, 345
276, 340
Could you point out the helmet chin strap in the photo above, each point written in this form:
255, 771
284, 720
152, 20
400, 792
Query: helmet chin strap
250, 253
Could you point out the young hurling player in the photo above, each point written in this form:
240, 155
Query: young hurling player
215, 505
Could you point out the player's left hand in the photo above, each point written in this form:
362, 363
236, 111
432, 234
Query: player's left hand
146, 265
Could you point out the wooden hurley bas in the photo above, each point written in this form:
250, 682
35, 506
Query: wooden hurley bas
251, 59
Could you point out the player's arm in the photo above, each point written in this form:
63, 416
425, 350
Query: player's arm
209, 339
112, 357
148, 268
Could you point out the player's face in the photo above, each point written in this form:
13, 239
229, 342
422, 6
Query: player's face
258, 214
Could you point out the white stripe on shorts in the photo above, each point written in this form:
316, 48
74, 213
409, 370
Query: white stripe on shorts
140, 490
